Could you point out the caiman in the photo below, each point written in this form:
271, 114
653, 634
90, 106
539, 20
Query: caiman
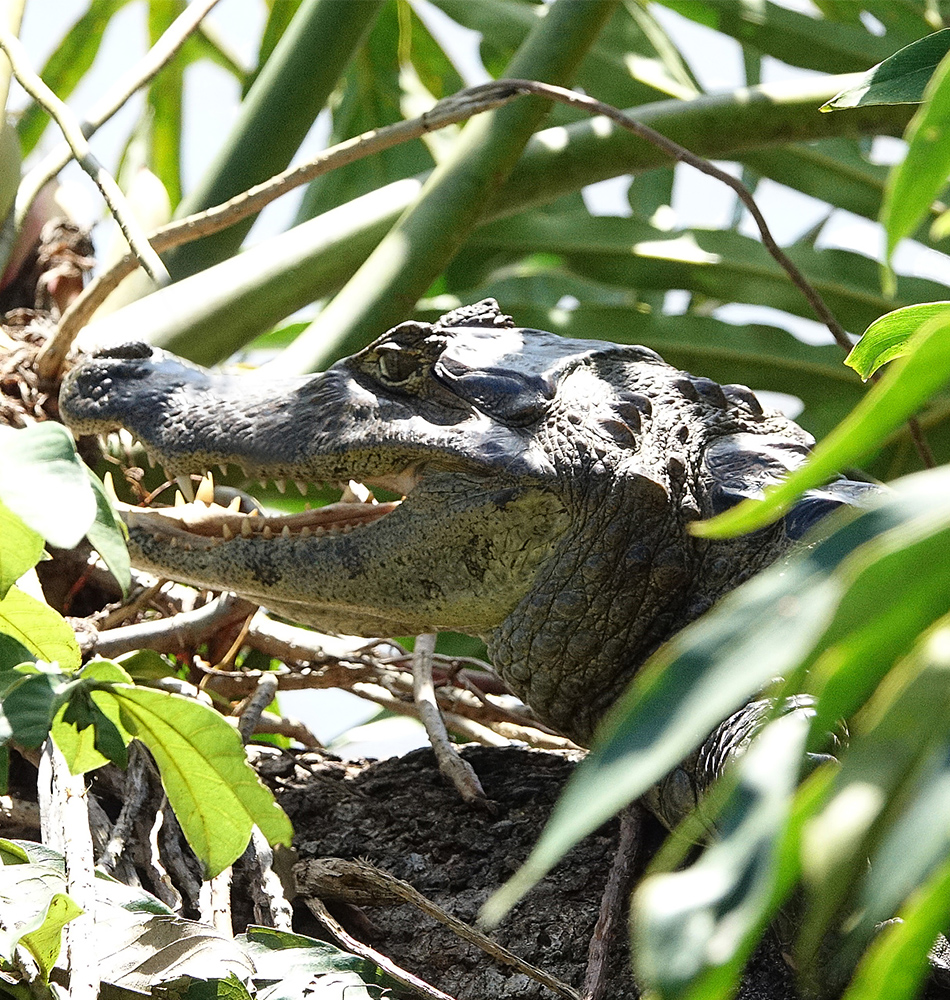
547, 490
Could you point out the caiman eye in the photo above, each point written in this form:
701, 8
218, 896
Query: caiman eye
395, 364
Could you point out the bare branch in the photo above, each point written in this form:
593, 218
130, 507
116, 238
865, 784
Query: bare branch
115, 199
458, 771
140, 74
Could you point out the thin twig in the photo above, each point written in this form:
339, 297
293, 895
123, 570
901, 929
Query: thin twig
683, 155
457, 770
140, 74
365, 884
173, 635
137, 791
254, 706
405, 979
60, 112
612, 903
449, 111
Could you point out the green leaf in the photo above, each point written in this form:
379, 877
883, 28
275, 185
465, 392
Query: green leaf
20, 548
695, 928
887, 338
871, 801
905, 387
34, 908
147, 665
793, 36
914, 183
43, 631
900, 79
45, 483
896, 962
216, 795
291, 965
107, 535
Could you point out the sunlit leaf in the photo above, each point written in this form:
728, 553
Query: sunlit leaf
216, 796
900, 79
45, 483
39, 628
887, 338
20, 548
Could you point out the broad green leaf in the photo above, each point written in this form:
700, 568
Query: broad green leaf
290, 965
37, 626
27, 708
34, 908
772, 626
20, 548
900, 79
887, 338
45, 483
695, 928
867, 803
216, 796
905, 387
88, 728
915, 182
896, 962
44, 943
146, 665
107, 535
164, 99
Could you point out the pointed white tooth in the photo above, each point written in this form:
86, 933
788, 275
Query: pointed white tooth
235, 505
108, 484
180, 501
205, 492
302, 486
254, 513
281, 485
305, 532
226, 533
268, 532
184, 484
285, 531
349, 494
223, 468
246, 529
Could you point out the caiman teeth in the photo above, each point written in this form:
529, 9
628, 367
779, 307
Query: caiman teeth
184, 484
205, 492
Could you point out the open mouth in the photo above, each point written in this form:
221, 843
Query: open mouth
217, 515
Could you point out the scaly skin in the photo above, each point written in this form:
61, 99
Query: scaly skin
550, 484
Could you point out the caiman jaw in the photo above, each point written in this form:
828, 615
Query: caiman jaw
204, 523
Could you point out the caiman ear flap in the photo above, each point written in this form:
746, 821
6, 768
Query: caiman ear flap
740, 466
512, 398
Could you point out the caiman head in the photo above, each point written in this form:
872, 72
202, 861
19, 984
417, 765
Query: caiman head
547, 486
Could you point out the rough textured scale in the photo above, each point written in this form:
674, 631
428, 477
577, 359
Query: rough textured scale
549, 484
